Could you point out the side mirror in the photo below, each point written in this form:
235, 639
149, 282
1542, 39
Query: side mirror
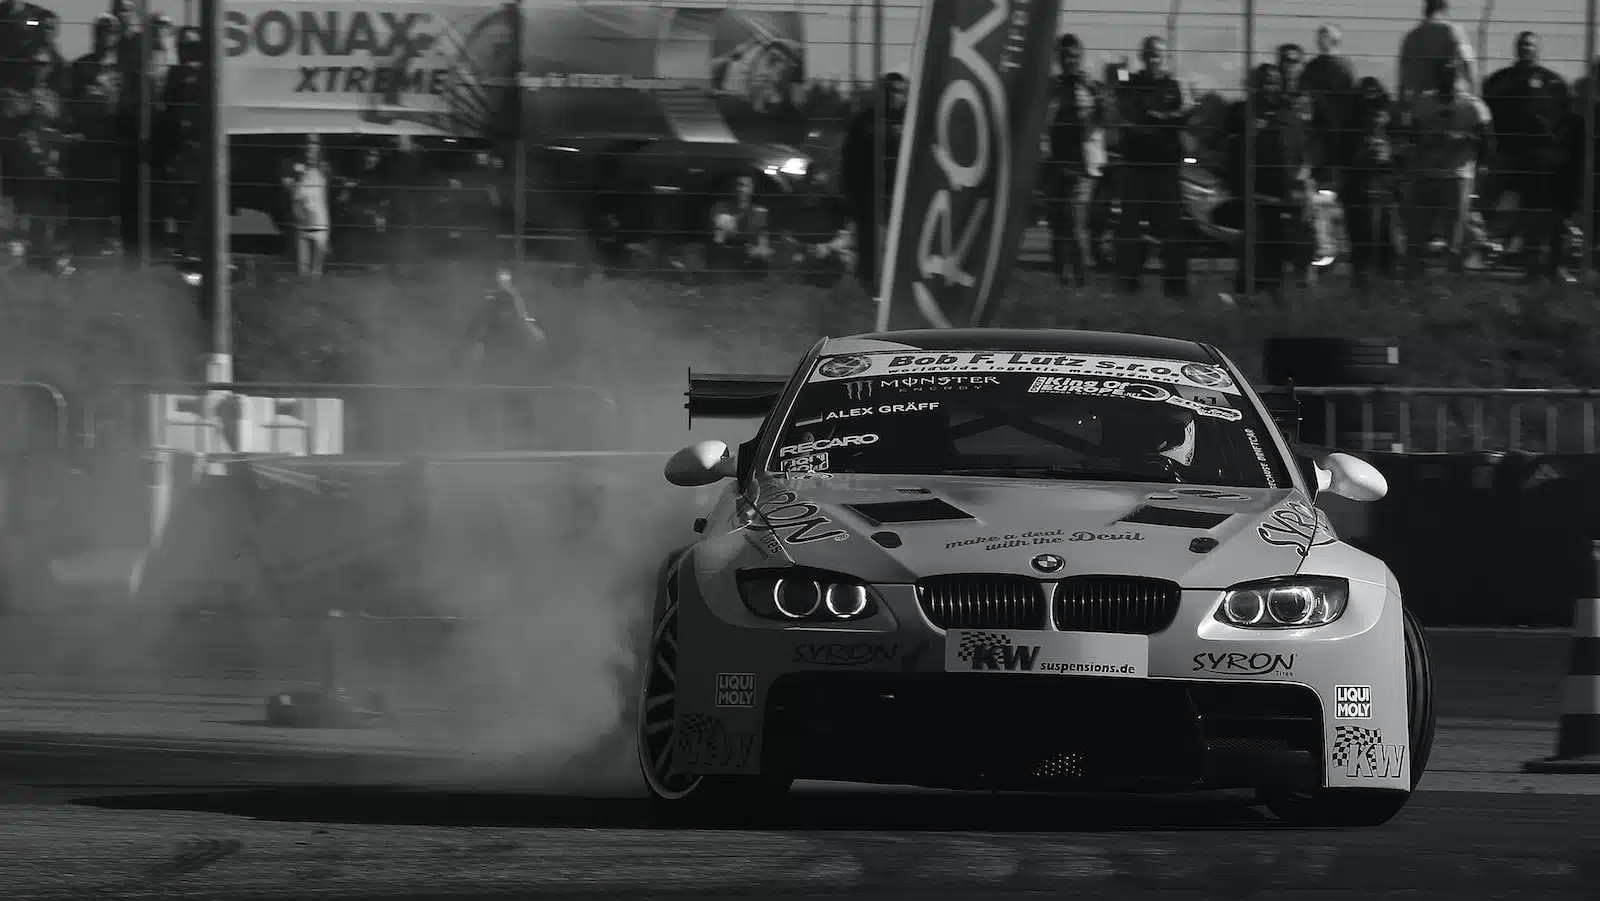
1351, 477
700, 464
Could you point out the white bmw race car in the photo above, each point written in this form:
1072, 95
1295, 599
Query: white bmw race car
1027, 560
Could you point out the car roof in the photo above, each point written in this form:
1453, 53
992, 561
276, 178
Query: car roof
1067, 341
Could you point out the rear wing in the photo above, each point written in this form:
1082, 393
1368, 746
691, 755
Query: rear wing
1284, 408
732, 396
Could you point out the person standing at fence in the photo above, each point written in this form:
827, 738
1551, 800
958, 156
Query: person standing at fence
307, 185
1329, 81
24, 28
178, 138
865, 180
362, 212
1155, 110
1077, 156
37, 120
1367, 185
741, 240
1530, 105
1435, 39
96, 93
132, 152
1278, 166
1451, 132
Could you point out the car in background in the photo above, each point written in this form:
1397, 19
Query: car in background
1027, 560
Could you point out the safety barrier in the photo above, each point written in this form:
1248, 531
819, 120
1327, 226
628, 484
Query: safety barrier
1453, 420
33, 418
371, 418
403, 579
395, 418
235, 652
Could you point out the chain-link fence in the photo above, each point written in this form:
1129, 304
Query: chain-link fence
739, 138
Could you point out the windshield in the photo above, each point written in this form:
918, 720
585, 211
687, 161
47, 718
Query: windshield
1029, 415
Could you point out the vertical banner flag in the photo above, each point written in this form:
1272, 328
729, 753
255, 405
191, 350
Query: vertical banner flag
980, 85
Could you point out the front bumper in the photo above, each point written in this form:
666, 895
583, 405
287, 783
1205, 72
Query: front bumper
887, 701
953, 731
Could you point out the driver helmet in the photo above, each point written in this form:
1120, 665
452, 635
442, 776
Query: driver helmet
1151, 430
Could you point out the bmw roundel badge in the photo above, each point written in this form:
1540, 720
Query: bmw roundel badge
1048, 563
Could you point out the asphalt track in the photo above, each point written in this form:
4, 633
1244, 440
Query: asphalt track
180, 797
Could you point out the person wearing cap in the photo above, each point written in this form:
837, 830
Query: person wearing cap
1530, 105
1451, 132
867, 184
177, 136
39, 134
95, 92
1076, 158
1155, 109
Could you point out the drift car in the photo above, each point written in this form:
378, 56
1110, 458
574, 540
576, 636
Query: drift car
1028, 560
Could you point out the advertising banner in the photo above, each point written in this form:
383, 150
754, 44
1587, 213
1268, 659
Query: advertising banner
979, 90
446, 67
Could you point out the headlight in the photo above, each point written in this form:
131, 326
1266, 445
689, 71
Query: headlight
805, 596
794, 166
1294, 602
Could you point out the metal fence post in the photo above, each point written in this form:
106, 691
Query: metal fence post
1248, 258
519, 139
146, 88
855, 44
880, 146
1589, 97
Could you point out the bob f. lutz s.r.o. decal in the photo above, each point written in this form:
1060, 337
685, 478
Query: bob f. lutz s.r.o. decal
793, 520
892, 364
1297, 525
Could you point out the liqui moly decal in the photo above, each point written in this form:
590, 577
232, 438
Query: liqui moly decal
979, 90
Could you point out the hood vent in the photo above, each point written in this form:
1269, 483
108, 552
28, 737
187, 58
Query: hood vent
893, 512
1178, 519
914, 490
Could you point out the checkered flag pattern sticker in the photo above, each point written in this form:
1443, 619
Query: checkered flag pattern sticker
1350, 738
975, 643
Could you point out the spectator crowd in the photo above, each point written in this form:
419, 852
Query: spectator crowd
76, 135
1413, 170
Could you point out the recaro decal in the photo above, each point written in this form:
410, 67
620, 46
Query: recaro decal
822, 444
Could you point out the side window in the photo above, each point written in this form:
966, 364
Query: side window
746, 461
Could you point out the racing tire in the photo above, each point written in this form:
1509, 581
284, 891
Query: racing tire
675, 794
1368, 807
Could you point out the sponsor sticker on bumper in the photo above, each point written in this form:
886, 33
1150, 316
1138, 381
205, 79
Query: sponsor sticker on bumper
1047, 653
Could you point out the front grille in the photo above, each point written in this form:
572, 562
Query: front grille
1130, 604
982, 602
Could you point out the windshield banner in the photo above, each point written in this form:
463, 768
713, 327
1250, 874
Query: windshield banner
980, 85
446, 67
1138, 369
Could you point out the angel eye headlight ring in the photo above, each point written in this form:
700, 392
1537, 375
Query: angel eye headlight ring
799, 595
1288, 602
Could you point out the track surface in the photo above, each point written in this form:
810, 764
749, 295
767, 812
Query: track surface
175, 798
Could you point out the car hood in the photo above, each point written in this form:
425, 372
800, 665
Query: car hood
890, 529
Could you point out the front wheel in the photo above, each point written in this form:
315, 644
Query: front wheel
1367, 807
672, 791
